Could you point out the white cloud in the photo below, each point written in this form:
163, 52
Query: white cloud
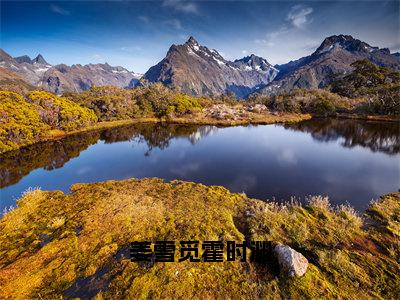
144, 19
299, 16
265, 42
59, 10
243, 183
182, 5
98, 57
271, 37
174, 23
131, 49
186, 169
245, 52
287, 156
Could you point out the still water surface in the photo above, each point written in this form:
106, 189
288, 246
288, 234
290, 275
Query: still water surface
350, 161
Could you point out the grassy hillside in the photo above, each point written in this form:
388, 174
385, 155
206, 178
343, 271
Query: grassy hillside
75, 245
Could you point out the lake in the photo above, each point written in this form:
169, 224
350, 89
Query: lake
350, 161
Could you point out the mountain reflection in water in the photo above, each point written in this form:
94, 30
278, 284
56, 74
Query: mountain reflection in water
377, 136
264, 161
51, 155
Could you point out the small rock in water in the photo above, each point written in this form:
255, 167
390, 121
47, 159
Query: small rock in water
291, 262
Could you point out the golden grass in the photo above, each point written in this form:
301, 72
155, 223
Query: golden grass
44, 255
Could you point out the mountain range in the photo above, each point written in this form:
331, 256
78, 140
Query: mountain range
331, 59
62, 78
198, 70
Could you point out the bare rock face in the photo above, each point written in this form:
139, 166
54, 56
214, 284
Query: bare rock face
291, 262
332, 58
198, 70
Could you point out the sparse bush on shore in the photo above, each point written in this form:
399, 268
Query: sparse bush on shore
378, 86
319, 102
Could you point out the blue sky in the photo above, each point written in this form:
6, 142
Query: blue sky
137, 34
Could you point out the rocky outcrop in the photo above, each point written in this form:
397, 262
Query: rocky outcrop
225, 112
198, 70
291, 262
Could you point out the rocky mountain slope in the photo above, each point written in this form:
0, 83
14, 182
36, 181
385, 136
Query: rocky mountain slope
11, 81
62, 78
198, 70
331, 59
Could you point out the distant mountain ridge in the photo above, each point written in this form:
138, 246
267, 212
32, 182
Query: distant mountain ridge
26, 59
332, 58
198, 70
62, 78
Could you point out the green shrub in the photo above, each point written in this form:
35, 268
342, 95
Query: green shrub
379, 86
320, 102
113, 103
109, 103
20, 123
59, 112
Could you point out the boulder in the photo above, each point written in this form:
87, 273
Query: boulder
257, 108
291, 262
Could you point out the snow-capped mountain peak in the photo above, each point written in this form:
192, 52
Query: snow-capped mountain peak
254, 62
199, 70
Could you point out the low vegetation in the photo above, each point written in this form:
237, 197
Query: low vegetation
20, 122
77, 244
28, 119
378, 86
317, 102
59, 112
113, 103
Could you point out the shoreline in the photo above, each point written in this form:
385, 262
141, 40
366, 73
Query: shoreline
383, 118
256, 120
